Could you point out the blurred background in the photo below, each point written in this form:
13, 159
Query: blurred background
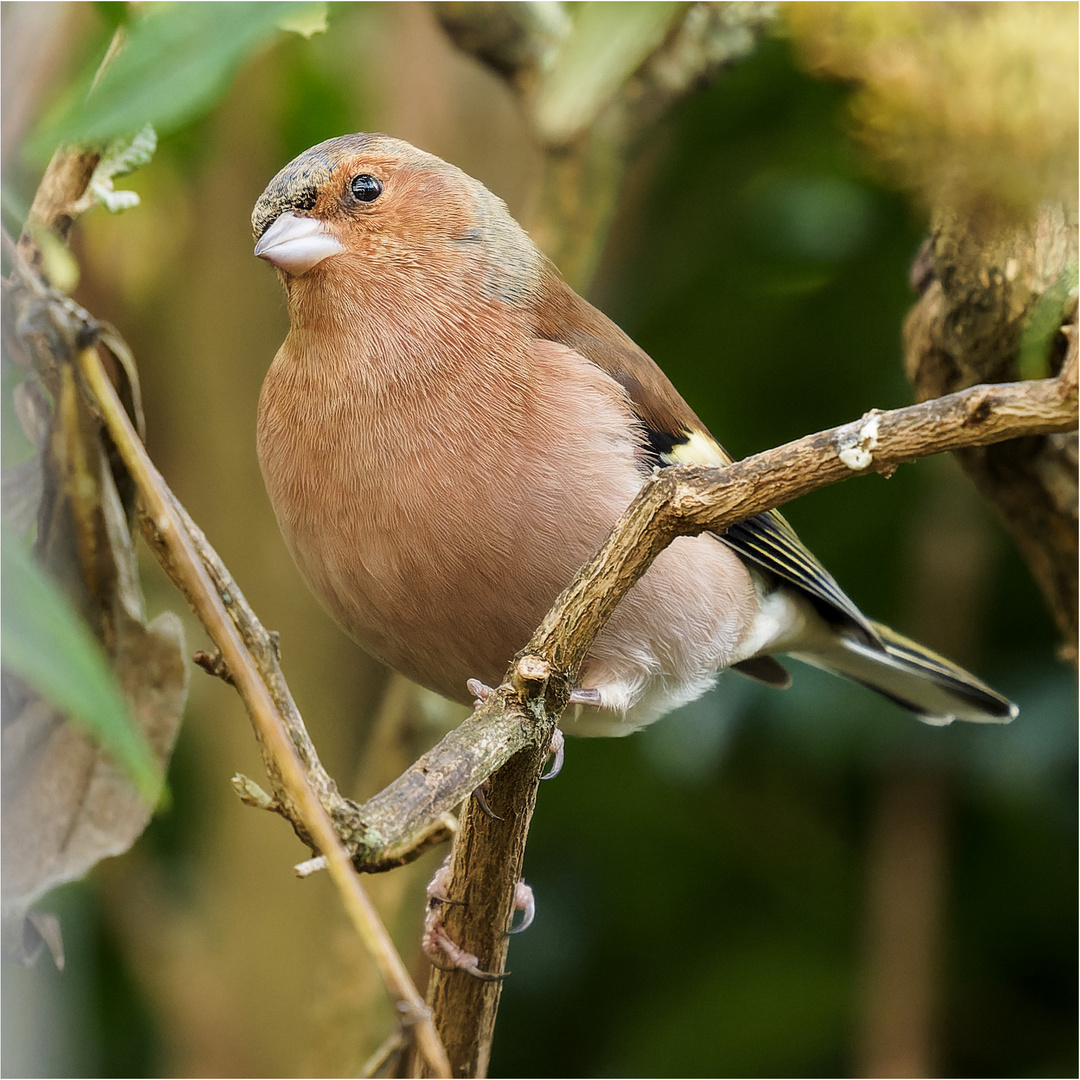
799, 883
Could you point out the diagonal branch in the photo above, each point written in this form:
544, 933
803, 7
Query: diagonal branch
682, 501
488, 854
169, 527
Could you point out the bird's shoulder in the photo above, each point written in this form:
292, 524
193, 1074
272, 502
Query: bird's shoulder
674, 435
668, 421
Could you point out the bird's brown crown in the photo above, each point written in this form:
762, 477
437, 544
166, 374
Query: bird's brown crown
310, 182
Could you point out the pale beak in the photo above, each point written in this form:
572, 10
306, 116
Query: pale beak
296, 244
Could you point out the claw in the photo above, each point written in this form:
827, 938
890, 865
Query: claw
460, 960
480, 795
441, 949
558, 748
525, 902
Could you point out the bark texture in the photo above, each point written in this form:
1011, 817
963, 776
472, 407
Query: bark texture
999, 302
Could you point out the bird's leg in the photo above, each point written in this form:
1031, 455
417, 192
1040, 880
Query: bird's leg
525, 902
441, 949
581, 696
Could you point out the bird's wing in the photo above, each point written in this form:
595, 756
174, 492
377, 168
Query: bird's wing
673, 434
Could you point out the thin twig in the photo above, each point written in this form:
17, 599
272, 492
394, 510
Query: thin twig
169, 526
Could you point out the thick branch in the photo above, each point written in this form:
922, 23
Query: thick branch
993, 297
487, 863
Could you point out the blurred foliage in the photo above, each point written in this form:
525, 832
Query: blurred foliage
609, 43
701, 885
168, 64
971, 106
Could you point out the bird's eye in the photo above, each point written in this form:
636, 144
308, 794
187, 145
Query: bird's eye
366, 188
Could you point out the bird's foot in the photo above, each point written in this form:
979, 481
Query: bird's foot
447, 955
525, 902
558, 749
480, 692
441, 949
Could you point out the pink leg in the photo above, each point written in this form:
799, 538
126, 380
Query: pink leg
581, 696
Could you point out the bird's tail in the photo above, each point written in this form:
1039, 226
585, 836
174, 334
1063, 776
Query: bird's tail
912, 676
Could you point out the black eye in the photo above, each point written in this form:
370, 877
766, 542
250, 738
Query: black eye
366, 188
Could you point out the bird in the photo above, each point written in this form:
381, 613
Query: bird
448, 432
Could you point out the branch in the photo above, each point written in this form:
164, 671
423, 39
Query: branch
289, 754
999, 302
678, 501
687, 501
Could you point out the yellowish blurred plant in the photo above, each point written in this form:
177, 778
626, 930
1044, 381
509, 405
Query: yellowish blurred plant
971, 107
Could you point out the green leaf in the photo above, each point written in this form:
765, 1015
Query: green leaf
1043, 325
46, 643
177, 62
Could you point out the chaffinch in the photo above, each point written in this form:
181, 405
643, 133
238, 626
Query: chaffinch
449, 432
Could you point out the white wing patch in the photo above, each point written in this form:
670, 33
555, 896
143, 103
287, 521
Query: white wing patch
697, 448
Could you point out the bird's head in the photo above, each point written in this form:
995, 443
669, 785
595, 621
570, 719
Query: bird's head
380, 200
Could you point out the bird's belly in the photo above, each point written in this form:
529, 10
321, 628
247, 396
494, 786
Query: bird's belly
443, 606
450, 599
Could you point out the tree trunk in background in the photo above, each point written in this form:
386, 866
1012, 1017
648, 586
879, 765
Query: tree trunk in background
908, 854
907, 858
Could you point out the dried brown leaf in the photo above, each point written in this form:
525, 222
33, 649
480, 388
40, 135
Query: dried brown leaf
67, 804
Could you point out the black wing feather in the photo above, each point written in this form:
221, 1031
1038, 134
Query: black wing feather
669, 425
770, 542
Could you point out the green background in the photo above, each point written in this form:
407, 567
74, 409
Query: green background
703, 885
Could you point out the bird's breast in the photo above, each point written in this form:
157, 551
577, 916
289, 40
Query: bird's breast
437, 518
